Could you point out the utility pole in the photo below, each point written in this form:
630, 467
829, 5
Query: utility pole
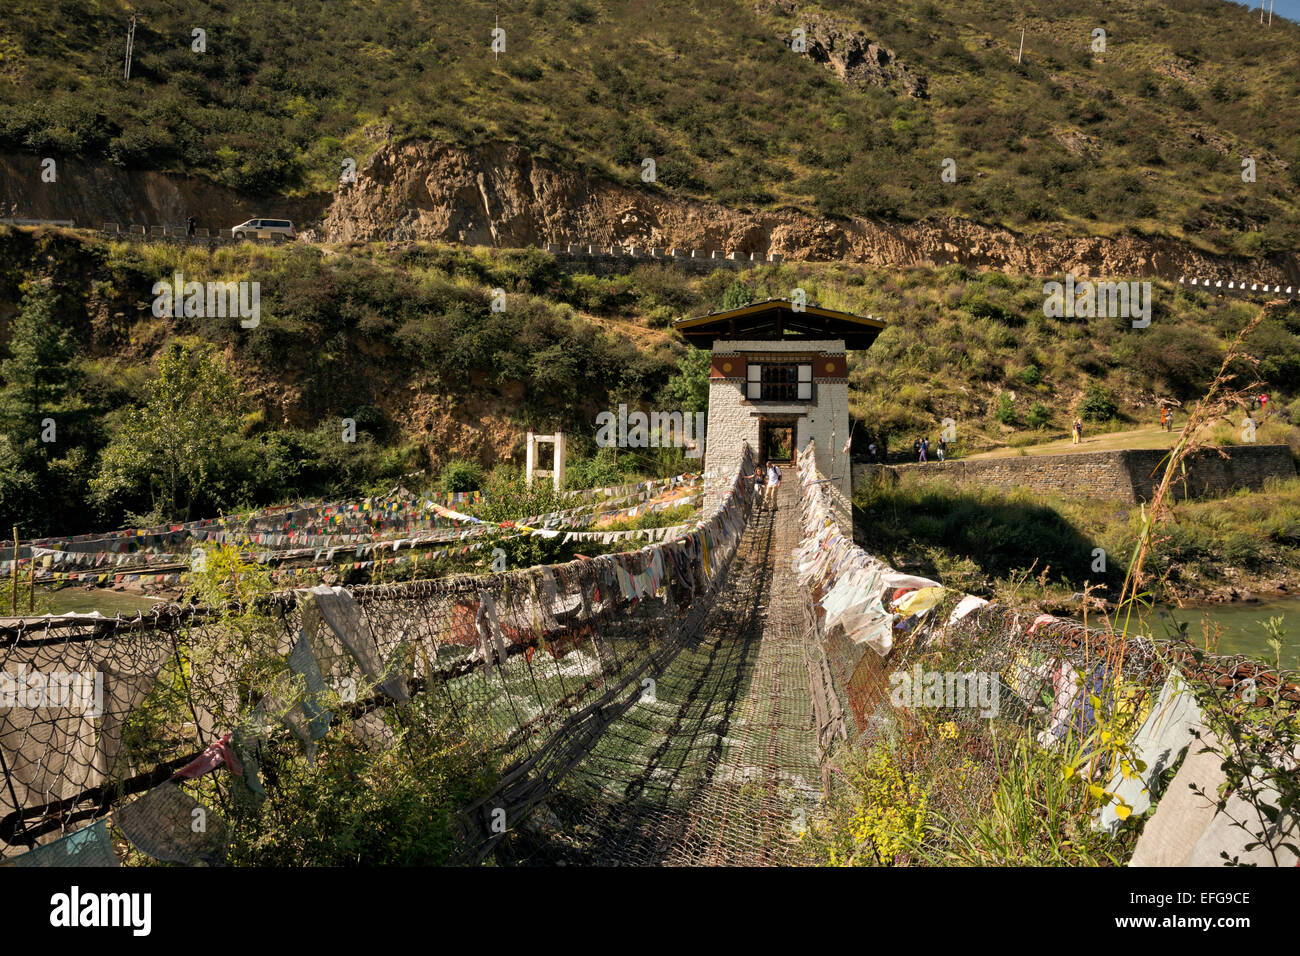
1022, 42
130, 47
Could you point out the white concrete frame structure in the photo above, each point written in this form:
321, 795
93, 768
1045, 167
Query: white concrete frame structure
556, 471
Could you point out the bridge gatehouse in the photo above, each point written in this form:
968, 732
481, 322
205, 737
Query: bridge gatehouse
779, 380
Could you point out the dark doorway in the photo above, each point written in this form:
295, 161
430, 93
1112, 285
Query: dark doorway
776, 439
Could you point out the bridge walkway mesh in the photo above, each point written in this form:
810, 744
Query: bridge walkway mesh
718, 763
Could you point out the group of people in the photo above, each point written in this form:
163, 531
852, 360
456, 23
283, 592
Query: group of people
921, 448
1166, 418
766, 482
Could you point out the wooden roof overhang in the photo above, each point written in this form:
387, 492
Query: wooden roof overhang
777, 319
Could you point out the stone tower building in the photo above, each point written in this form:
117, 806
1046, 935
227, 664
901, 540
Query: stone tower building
778, 378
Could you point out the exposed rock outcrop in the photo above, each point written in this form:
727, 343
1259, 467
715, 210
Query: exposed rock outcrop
92, 194
498, 195
851, 55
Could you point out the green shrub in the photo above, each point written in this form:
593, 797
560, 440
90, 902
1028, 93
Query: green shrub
1039, 415
460, 475
1005, 413
600, 470
358, 806
1098, 404
738, 294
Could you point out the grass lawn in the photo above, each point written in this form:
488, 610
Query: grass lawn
1271, 431
1147, 436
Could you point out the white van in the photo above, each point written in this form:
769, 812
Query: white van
264, 229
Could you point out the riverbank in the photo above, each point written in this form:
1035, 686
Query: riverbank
1044, 551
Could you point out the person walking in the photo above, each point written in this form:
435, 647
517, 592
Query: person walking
1078, 431
773, 483
925, 447
941, 449
1164, 417
760, 478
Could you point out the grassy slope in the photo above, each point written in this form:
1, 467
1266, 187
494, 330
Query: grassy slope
986, 539
372, 332
286, 91
1273, 430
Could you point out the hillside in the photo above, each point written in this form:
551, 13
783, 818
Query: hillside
590, 433
1146, 138
401, 338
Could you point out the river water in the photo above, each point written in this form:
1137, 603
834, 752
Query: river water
1243, 632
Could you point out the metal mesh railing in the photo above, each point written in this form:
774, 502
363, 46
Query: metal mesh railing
937, 694
688, 703
527, 665
715, 761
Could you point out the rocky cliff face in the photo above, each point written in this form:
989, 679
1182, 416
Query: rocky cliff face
500, 196
853, 57
92, 194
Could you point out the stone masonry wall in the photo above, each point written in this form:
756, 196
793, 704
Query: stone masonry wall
733, 420
1131, 475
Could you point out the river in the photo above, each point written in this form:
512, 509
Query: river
1242, 631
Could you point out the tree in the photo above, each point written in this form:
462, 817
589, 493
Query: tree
175, 444
737, 295
1006, 410
688, 389
19, 488
41, 416
461, 475
39, 372
1039, 415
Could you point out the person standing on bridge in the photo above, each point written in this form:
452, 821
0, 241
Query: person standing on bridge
773, 482
759, 478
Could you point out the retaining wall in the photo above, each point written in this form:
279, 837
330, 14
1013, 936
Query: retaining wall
1129, 475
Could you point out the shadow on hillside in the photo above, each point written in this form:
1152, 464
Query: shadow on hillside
935, 529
